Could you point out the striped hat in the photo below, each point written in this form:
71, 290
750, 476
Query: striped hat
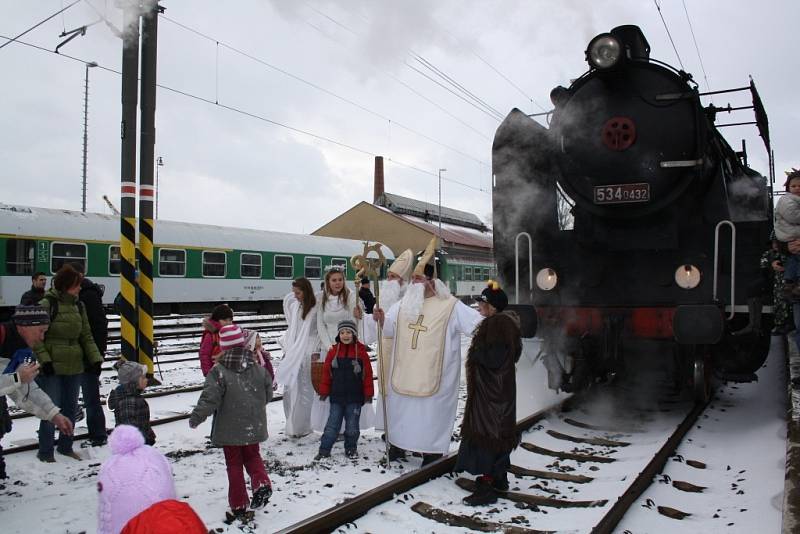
30, 316
230, 336
347, 324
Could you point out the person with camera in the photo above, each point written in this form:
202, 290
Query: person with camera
19, 369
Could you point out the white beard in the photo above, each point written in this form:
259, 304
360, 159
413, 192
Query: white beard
391, 293
411, 305
442, 292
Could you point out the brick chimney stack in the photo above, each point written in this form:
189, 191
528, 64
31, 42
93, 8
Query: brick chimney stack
378, 190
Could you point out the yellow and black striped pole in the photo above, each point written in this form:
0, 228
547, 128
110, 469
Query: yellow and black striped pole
127, 282
146, 189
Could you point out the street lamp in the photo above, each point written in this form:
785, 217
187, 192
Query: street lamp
440, 202
85, 128
159, 163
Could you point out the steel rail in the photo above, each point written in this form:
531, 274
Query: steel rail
346, 512
645, 479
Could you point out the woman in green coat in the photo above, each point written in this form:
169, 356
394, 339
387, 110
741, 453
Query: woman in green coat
67, 352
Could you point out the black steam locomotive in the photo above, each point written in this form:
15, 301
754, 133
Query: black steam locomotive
632, 217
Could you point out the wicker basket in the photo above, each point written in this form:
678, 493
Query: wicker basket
316, 375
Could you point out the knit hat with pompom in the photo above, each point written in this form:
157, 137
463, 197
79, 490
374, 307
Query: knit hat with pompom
135, 477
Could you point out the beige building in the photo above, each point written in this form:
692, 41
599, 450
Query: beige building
400, 223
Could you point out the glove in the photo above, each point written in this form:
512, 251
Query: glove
48, 369
95, 368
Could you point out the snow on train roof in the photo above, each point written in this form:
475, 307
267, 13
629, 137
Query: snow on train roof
75, 225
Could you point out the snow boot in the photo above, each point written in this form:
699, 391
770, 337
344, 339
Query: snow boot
351, 453
484, 494
261, 496
429, 458
243, 515
396, 453
322, 454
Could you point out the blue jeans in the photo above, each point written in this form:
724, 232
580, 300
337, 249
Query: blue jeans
63, 391
351, 414
95, 418
792, 268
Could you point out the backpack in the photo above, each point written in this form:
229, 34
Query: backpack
54, 307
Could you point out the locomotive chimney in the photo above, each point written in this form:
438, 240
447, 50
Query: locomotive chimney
378, 189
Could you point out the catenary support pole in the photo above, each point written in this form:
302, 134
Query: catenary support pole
130, 75
146, 189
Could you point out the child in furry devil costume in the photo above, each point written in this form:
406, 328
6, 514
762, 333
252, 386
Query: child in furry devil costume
488, 430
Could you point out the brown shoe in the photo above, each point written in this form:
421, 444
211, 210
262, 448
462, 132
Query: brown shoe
72, 454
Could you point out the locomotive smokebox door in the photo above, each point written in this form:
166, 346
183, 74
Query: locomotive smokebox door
700, 324
528, 321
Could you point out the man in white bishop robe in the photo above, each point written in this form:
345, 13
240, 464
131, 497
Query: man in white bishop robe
427, 325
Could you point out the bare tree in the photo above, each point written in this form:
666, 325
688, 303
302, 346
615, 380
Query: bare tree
564, 205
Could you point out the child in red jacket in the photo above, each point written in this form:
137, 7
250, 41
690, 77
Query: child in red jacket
347, 380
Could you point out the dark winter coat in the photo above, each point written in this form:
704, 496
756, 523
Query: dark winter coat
130, 408
32, 296
490, 414
340, 381
68, 342
236, 392
92, 297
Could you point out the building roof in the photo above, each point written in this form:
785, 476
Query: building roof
452, 233
400, 205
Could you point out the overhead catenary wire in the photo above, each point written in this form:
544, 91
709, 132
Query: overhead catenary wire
470, 99
660, 14
409, 87
12, 39
469, 94
318, 88
256, 116
696, 46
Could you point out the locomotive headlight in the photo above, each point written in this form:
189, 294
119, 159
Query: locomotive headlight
687, 276
546, 279
604, 51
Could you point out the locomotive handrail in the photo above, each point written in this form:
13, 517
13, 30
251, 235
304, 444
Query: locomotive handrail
733, 263
516, 264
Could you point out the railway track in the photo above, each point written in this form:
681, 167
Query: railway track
180, 330
578, 472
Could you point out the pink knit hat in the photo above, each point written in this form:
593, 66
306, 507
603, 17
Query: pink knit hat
230, 336
135, 477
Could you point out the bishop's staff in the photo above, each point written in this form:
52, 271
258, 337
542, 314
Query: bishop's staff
368, 267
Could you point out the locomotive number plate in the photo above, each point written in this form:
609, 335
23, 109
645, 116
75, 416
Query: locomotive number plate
621, 193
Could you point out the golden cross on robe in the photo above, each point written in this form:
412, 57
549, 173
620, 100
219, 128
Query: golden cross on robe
417, 328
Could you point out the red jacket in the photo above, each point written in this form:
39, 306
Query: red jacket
166, 517
209, 344
349, 352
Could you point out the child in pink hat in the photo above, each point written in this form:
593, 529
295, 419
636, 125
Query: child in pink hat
236, 393
135, 477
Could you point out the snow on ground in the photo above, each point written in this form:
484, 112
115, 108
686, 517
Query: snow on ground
744, 428
61, 497
742, 440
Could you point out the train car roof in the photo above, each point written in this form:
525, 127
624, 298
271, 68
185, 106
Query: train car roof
47, 223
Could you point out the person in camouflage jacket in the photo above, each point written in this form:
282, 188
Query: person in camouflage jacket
772, 266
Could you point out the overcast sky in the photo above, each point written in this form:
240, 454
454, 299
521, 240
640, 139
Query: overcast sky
360, 89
